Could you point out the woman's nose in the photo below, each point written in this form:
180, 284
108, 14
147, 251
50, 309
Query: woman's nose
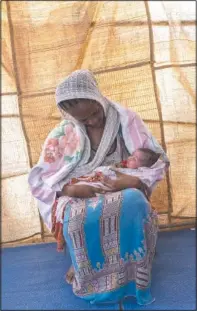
91, 122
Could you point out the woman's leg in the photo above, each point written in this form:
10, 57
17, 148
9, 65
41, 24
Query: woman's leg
111, 240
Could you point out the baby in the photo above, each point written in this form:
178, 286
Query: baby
142, 157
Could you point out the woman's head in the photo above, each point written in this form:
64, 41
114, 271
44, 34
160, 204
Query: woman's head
79, 96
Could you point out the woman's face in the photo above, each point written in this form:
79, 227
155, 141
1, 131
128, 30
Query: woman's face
88, 112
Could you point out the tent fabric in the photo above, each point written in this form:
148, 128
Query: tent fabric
143, 56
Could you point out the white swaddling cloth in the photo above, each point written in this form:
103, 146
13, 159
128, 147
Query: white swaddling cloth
107, 171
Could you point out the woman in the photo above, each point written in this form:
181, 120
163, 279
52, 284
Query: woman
111, 236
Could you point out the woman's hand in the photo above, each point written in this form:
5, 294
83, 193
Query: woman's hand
81, 191
123, 181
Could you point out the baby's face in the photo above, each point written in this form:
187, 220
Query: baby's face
134, 161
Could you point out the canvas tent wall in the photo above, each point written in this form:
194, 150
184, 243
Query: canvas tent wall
143, 56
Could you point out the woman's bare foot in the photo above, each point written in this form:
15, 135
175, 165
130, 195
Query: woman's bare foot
70, 275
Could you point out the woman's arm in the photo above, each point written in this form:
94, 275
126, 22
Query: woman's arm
124, 181
80, 191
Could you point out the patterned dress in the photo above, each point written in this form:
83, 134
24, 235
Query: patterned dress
111, 239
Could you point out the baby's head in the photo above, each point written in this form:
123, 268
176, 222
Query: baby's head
142, 157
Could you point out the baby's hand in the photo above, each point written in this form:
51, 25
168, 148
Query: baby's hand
119, 165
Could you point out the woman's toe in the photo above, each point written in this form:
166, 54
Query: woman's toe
70, 275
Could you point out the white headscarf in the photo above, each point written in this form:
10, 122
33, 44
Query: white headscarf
80, 84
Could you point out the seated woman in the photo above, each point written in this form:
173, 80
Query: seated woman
111, 236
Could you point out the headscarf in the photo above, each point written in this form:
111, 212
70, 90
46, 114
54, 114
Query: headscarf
81, 84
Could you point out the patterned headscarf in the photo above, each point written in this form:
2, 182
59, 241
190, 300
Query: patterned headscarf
79, 84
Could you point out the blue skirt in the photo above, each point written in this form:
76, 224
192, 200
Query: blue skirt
111, 239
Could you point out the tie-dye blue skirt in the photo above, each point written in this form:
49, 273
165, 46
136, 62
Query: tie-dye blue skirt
111, 240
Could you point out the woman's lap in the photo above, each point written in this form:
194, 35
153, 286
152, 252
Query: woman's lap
111, 241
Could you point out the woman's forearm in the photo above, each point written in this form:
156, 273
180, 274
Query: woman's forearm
80, 191
67, 190
133, 182
136, 183
144, 188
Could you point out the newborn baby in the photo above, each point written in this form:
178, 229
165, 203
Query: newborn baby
142, 157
